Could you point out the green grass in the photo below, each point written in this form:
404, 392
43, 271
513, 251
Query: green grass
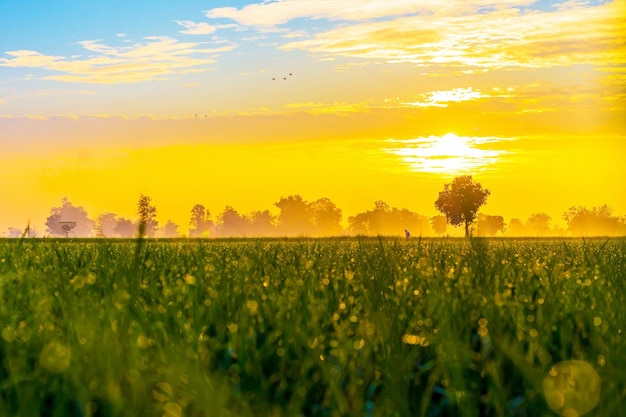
306, 327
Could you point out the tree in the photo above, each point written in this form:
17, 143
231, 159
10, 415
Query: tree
295, 216
106, 224
516, 228
326, 217
231, 223
147, 216
69, 213
170, 230
15, 232
439, 224
597, 221
539, 224
125, 228
201, 223
490, 225
460, 201
262, 223
387, 221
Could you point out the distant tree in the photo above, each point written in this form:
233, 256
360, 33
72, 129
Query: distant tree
359, 224
106, 224
262, 223
387, 221
597, 221
201, 223
147, 212
125, 228
539, 224
69, 213
516, 227
295, 217
170, 230
15, 232
439, 224
231, 223
460, 201
378, 222
326, 217
488, 225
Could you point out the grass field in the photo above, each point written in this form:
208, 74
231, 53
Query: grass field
304, 327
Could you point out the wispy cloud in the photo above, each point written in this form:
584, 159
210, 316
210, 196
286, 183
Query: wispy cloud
500, 38
441, 98
193, 28
279, 12
157, 58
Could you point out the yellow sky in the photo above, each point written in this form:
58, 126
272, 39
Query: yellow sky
387, 103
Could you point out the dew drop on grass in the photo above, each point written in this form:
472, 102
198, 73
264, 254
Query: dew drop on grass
144, 342
55, 357
121, 298
8, 334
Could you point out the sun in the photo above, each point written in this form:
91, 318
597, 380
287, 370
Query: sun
450, 145
448, 154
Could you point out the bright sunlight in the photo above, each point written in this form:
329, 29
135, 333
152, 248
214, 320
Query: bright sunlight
448, 154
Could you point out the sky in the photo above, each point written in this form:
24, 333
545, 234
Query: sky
243, 102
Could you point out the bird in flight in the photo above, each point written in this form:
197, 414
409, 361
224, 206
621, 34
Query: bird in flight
284, 78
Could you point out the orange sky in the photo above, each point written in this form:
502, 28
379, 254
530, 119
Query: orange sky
388, 102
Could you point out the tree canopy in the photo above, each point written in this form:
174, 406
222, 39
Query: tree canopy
460, 200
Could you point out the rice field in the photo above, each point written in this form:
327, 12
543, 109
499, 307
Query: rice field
313, 327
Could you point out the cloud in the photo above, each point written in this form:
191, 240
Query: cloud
154, 59
271, 13
500, 38
192, 28
441, 98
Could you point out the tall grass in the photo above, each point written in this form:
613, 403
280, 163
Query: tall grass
306, 327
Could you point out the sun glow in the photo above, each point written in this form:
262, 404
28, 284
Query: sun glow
448, 154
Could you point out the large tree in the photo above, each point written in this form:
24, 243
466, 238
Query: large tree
295, 217
147, 212
460, 200
76, 218
201, 223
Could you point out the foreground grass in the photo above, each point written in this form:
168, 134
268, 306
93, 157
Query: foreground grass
354, 327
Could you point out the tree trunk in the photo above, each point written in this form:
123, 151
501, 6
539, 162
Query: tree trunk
467, 229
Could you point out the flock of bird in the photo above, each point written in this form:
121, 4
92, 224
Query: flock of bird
273, 79
284, 78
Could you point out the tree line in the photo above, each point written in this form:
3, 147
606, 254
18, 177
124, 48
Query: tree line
459, 203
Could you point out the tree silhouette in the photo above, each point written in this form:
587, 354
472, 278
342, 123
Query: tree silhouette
231, 223
295, 216
598, 221
170, 230
516, 228
262, 223
460, 201
106, 224
67, 227
439, 224
489, 225
539, 224
201, 223
147, 216
69, 213
326, 217
388, 221
125, 228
